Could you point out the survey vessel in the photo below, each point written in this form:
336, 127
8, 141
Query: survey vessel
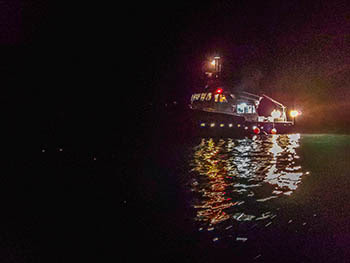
221, 109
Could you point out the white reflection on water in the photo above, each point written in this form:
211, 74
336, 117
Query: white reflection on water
284, 173
236, 179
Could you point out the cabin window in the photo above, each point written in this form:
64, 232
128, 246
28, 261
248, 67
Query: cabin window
244, 108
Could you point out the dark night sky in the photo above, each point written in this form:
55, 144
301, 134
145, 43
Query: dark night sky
73, 56
295, 51
275, 38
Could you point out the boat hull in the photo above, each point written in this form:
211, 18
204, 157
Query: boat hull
225, 125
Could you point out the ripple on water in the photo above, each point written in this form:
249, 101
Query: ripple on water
235, 181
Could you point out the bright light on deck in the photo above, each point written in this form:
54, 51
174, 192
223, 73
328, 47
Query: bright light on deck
294, 113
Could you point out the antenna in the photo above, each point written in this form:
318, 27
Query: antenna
214, 67
217, 64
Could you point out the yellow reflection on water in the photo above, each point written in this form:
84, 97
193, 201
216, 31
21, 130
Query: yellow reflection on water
208, 162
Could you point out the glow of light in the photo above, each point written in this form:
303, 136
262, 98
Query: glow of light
294, 113
273, 131
222, 125
219, 90
230, 125
276, 114
212, 124
238, 125
213, 63
202, 124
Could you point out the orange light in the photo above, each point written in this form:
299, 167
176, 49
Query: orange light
213, 63
273, 131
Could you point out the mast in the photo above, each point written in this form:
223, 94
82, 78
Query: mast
213, 72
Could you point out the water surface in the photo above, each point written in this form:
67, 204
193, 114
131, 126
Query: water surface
275, 198
236, 180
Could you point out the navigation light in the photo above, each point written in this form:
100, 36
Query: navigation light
219, 90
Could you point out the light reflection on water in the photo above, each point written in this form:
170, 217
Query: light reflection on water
235, 180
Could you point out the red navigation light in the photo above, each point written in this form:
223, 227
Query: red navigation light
219, 90
256, 130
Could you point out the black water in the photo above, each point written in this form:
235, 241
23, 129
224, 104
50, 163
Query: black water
91, 191
275, 198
